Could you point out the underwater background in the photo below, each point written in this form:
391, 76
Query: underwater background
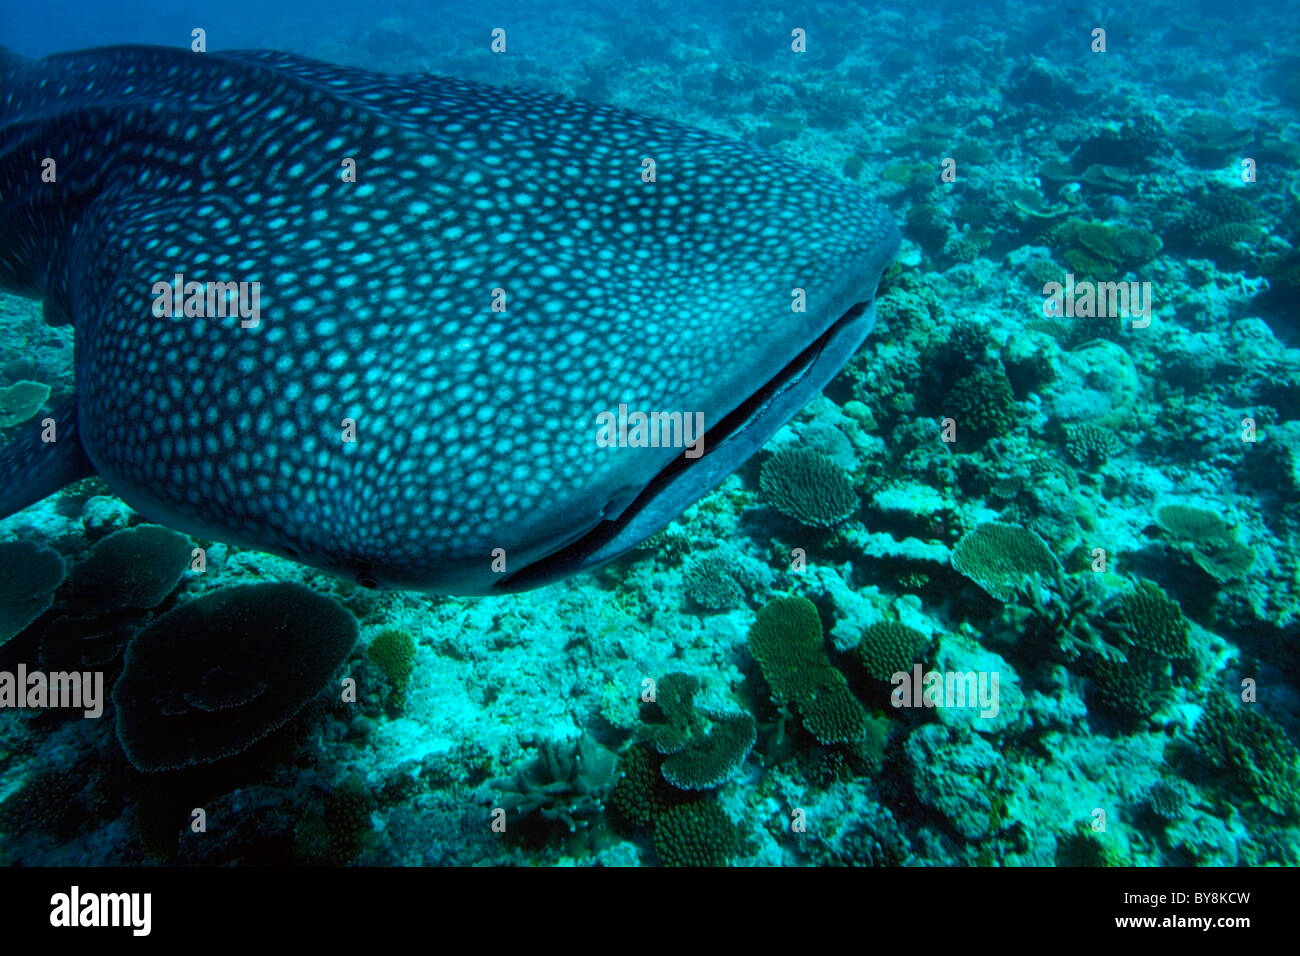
1111, 534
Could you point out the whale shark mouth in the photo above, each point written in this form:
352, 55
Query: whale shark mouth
727, 445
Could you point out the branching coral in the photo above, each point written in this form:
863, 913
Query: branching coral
567, 782
1090, 445
1134, 688
1069, 617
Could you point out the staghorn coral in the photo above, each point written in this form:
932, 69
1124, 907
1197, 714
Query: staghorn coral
1067, 617
806, 485
1003, 558
889, 647
567, 782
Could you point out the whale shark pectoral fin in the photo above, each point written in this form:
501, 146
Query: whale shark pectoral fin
45, 455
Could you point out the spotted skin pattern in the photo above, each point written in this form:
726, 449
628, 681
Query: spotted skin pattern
475, 428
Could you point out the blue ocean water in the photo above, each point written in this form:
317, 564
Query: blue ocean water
1016, 587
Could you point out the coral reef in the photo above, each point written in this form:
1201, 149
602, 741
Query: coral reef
215, 675
567, 782
808, 486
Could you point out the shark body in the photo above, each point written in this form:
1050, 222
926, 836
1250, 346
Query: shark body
454, 285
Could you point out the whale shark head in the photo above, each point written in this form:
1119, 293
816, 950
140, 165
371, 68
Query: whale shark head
418, 331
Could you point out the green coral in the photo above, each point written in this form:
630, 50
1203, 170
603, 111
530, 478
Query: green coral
788, 644
1097, 251
641, 791
808, 486
336, 833
910, 175
1135, 688
21, 401
1084, 846
711, 581
983, 406
1169, 798
1090, 445
1066, 618
928, 225
1233, 736
695, 834
703, 747
133, 568
1151, 620
393, 652
967, 247
1003, 558
29, 575
1219, 224
1209, 540
975, 214
889, 647
832, 714
1042, 271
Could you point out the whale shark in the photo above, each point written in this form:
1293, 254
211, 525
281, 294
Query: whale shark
381, 324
